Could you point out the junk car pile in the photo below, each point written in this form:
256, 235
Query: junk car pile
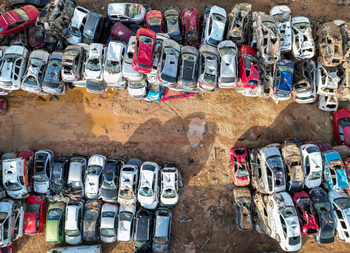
161, 56
89, 199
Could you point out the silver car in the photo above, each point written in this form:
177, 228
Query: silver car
108, 223
127, 70
282, 17
304, 83
187, 80
72, 62
303, 46
208, 68
228, 64
52, 83
77, 25
214, 26
126, 12
94, 62
112, 69
126, 223
12, 67
137, 89
73, 227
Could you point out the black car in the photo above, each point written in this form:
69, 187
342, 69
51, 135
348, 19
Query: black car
319, 198
58, 174
108, 190
173, 27
36, 3
52, 83
91, 225
143, 231
95, 22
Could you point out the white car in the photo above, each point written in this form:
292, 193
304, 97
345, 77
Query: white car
127, 70
13, 67
108, 224
148, 185
282, 16
327, 80
14, 178
73, 227
126, 12
93, 176
283, 222
312, 165
42, 167
304, 87
340, 204
137, 89
77, 25
112, 69
77, 167
8, 217
94, 62
19, 221
303, 46
214, 26
328, 103
228, 64
128, 184
169, 193
126, 223
77, 249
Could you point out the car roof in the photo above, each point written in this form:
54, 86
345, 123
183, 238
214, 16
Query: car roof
71, 222
75, 171
162, 226
143, 227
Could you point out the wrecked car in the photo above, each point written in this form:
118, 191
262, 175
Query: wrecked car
33, 78
128, 72
128, 180
147, 194
334, 174
143, 231
8, 210
243, 208
312, 165
169, 189
109, 186
73, 226
52, 82
240, 166
15, 178
213, 26
343, 91
91, 226
228, 64
126, 12
154, 21
172, 21
323, 212
282, 16
76, 25
108, 223
341, 122
13, 67
293, 163
154, 92
168, 63
112, 67
266, 81
72, 62
306, 214
328, 103
77, 167
93, 69
144, 47
93, 27
58, 174
34, 215
187, 79
327, 80
303, 46
54, 225
126, 223
343, 150
190, 26
283, 80
283, 221
162, 229
137, 89
323, 146
29, 156
42, 166
261, 217
266, 38
20, 3
239, 20
121, 33
208, 68
93, 175
330, 47
345, 32
304, 82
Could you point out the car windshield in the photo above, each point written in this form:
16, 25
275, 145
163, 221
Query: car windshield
315, 175
169, 193
251, 58
305, 203
242, 172
146, 39
72, 233
32, 208
125, 216
344, 203
219, 17
228, 51
54, 214
13, 186
312, 150
209, 78
93, 64
304, 25
344, 122
35, 62
108, 214
274, 162
270, 25
107, 232
113, 66
10, 57
189, 57
154, 21
323, 207
287, 211
22, 14
75, 31
286, 68
90, 215
109, 185
136, 85
94, 170
160, 240
146, 191
40, 177
171, 51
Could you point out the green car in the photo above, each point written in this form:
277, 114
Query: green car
54, 232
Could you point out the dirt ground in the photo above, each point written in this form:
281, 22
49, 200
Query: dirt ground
197, 133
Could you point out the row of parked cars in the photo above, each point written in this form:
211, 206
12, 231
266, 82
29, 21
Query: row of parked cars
258, 54
91, 199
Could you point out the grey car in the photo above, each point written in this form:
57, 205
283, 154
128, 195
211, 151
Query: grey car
72, 61
126, 12
91, 223
187, 80
157, 52
53, 83
208, 68
77, 25
168, 63
238, 23
228, 64
162, 229
127, 70
137, 89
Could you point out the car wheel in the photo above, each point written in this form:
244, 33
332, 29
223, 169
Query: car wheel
15, 207
345, 65
265, 199
268, 231
331, 117
271, 204
278, 238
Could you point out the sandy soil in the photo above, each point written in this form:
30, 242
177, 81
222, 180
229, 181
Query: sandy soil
197, 133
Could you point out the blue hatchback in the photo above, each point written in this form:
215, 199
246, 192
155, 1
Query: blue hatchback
283, 80
334, 174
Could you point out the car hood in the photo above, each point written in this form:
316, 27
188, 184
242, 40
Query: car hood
111, 77
30, 222
51, 230
293, 226
91, 184
285, 81
124, 230
41, 187
6, 71
342, 180
145, 54
137, 92
108, 194
228, 67
217, 31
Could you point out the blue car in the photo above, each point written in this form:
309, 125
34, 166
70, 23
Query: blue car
334, 174
283, 80
155, 92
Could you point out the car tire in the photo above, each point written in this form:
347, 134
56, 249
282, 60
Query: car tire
345, 65
268, 231
265, 198
278, 238
15, 207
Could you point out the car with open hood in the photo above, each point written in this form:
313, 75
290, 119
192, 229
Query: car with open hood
293, 164
323, 213
91, 223
148, 189
34, 215
341, 126
228, 51
58, 174
242, 202
73, 227
76, 25
283, 221
109, 223
54, 228
162, 230
340, 204
304, 82
173, 27
126, 12
239, 20
282, 16
190, 26
168, 63
169, 189
109, 187
93, 176
112, 67
303, 46
126, 223
213, 25
144, 49
77, 168
128, 180
312, 165
188, 69
128, 72
52, 82
208, 68
15, 178
42, 166
334, 174
240, 166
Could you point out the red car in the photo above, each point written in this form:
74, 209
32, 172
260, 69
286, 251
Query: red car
34, 216
154, 21
173, 95
144, 46
17, 20
341, 126
3, 105
28, 155
240, 167
190, 26
306, 214
249, 78
8, 249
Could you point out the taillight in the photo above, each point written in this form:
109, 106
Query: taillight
76, 78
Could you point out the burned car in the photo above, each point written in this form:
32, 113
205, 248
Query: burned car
345, 32
294, 171
128, 184
303, 46
329, 45
228, 64
76, 25
261, 217
72, 62
126, 12
91, 221
238, 23
266, 38
172, 21
187, 79
52, 82
243, 208
208, 68
328, 103
112, 67
343, 92
282, 17
266, 81
304, 82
